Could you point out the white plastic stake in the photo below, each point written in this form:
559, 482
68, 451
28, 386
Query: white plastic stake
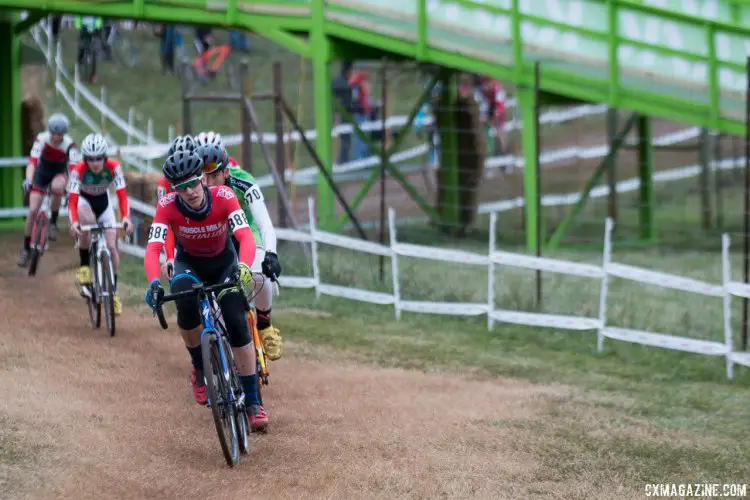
103, 97
726, 274
150, 136
606, 259
48, 52
491, 272
314, 244
394, 263
131, 125
76, 86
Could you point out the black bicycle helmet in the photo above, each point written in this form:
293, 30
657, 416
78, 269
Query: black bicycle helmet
181, 166
181, 143
215, 157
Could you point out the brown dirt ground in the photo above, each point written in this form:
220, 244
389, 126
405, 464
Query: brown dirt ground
88, 416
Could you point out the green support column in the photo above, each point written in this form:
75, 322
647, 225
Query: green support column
450, 200
320, 46
528, 137
10, 104
646, 171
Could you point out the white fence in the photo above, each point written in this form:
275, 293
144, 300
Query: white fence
495, 259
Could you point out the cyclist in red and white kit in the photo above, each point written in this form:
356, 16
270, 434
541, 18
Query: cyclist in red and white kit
51, 155
200, 218
89, 203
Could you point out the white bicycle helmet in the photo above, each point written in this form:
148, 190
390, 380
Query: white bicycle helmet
93, 146
209, 138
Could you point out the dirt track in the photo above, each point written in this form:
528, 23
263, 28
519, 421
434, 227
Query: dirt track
94, 417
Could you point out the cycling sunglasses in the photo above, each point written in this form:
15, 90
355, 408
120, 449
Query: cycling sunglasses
94, 158
182, 186
211, 167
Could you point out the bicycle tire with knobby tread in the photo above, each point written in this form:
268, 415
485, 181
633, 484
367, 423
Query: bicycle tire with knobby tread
94, 304
35, 254
240, 413
124, 51
108, 292
215, 386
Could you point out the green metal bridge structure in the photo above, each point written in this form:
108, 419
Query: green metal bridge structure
681, 60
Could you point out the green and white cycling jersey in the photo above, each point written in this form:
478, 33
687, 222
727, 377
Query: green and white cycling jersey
253, 204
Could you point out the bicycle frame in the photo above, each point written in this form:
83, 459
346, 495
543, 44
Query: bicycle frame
98, 248
212, 59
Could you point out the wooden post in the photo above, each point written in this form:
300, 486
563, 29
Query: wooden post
246, 124
278, 90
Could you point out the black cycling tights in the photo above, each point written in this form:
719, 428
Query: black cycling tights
187, 270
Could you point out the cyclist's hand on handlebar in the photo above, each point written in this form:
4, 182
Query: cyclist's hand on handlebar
246, 276
127, 225
154, 294
75, 229
270, 266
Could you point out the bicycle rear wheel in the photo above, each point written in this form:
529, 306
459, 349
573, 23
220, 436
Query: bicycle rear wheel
233, 77
107, 286
125, 51
95, 294
38, 240
88, 68
218, 398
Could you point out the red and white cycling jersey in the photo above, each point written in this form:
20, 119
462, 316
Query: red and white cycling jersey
85, 182
45, 153
204, 239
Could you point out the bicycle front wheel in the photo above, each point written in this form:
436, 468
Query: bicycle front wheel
218, 389
125, 51
107, 284
94, 299
233, 76
38, 240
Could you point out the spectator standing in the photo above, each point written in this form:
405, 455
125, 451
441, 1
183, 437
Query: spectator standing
343, 94
361, 109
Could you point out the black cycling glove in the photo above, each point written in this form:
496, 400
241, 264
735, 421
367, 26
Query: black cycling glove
270, 266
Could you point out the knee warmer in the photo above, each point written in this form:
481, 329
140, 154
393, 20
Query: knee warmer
235, 319
188, 315
264, 296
